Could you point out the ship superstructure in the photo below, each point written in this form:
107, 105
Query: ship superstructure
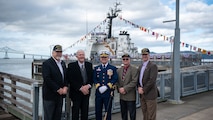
117, 46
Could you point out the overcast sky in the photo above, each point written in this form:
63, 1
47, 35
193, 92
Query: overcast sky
33, 26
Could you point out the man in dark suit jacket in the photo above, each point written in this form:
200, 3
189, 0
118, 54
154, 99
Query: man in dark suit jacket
54, 85
147, 88
79, 74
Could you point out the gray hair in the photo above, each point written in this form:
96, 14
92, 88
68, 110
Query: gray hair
80, 51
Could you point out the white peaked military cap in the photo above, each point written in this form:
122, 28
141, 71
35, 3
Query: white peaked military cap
104, 53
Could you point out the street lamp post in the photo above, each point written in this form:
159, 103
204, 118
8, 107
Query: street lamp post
176, 60
175, 98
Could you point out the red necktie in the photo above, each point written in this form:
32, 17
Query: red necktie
124, 73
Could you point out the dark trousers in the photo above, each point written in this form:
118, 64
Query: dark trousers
80, 104
149, 109
53, 109
128, 106
99, 102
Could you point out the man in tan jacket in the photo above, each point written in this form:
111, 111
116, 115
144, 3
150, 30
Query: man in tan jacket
127, 82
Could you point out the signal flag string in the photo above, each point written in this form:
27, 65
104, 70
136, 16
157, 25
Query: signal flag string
203, 51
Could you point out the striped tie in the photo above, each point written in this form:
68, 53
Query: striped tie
124, 73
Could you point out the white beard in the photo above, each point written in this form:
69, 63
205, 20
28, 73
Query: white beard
58, 58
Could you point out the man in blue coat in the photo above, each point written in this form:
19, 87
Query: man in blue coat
104, 77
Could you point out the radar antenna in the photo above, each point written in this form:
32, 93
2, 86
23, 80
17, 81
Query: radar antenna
111, 15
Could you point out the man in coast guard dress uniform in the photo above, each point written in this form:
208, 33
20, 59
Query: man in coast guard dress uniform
104, 77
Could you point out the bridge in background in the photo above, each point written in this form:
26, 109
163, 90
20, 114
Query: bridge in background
6, 50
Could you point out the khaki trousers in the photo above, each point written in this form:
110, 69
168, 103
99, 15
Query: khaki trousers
149, 109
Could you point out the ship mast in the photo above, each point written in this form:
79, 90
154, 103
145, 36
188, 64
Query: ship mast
111, 15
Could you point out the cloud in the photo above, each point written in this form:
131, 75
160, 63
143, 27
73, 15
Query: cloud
33, 26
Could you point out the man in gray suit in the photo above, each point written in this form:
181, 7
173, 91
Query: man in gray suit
127, 82
147, 88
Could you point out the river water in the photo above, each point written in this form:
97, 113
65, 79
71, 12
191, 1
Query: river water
20, 67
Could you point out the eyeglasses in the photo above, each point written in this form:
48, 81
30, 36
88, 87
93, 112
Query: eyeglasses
103, 57
144, 54
126, 59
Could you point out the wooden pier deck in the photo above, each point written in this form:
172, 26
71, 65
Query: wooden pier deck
6, 116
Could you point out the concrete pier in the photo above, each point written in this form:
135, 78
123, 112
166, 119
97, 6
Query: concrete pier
195, 107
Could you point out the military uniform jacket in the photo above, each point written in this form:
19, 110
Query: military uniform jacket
149, 81
101, 77
129, 83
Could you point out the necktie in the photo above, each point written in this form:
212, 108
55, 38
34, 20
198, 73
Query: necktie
124, 73
83, 73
